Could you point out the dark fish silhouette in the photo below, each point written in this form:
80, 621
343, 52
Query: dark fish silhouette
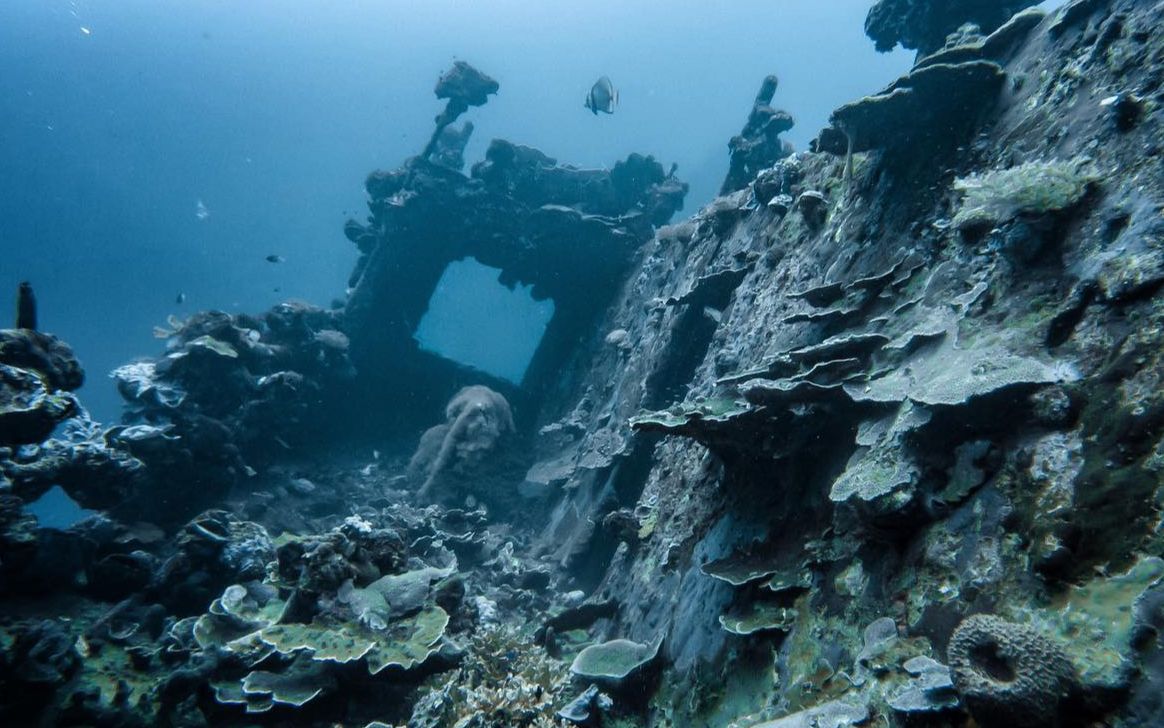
272, 258
602, 97
180, 299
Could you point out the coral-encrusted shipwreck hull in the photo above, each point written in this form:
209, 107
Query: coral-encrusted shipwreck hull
876, 438
571, 234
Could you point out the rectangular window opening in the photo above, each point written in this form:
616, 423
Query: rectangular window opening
475, 320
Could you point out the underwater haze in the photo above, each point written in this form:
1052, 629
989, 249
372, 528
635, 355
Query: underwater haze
122, 121
608, 365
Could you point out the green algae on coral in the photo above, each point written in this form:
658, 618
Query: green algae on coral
295, 686
784, 582
260, 690
405, 643
111, 674
1030, 189
213, 631
739, 569
230, 692
648, 521
675, 418
613, 661
882, 466
758, 617
234, 617
1096, 622
331, 644
408, 642
948, 375
874, 474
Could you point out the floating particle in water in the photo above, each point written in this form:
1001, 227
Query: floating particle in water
200, 210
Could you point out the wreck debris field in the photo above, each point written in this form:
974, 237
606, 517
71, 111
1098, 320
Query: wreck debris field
868, 430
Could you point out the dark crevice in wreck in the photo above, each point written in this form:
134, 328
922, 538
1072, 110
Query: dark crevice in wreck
619, 493
691, 336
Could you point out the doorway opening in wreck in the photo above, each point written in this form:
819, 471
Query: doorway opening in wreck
475, 320
56, 510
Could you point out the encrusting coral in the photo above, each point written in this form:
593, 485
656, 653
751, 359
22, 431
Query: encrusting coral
1030, 189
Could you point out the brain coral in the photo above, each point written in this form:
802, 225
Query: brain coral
1009, 674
